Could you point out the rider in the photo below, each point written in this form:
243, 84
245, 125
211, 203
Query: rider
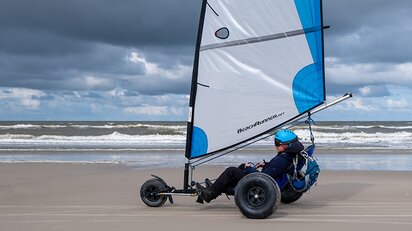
287, 145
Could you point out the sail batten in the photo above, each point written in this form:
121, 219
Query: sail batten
259, 65
261, 39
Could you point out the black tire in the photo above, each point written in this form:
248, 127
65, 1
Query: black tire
149, 193
257, 195
290, 195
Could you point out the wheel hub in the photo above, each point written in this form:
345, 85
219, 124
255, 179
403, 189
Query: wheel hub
256, 196
152, 194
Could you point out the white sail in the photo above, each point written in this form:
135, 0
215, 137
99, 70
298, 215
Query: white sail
259, 65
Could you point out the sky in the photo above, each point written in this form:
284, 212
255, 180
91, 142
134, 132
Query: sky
132, 59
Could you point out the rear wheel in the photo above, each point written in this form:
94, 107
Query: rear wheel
257, 195
290, 195
149, 192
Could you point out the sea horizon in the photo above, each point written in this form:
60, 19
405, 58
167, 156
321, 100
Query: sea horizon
375, 145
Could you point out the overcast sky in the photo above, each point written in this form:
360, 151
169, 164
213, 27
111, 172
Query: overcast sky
132, 59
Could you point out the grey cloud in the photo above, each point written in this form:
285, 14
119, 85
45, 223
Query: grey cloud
131, 93
56, 44
351, 15
58, 72
156, 86
373, 91
95, 95
44, 98
369, 30
123, 22
40, 42
168, 56
339, 90
367, 91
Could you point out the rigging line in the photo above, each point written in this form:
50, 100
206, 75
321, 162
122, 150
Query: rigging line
212, 9
203, 85
310, 121
261, 39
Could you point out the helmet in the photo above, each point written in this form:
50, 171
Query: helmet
285, 137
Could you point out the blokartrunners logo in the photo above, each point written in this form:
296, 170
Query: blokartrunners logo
257, 123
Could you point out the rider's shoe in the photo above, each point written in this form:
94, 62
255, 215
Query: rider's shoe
205, 193
199, 199
208, 183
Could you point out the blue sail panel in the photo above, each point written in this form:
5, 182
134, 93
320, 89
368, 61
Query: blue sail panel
199, 142
308, 84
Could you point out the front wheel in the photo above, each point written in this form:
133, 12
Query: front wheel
149, 192
257, 195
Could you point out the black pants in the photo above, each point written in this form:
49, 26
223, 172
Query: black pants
227, 180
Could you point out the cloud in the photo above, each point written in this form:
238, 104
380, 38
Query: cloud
63, 72
374, 91
147, 110
153, 69
173, 105
104, 69
118, 104
368, 31
125, 23
154, 110
79, 46
93, 82
358, 104
369, 108
132, 59
397, 104
342, 73
26, 98
158, 80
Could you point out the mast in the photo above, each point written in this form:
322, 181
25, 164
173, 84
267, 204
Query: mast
323, 48
193, 97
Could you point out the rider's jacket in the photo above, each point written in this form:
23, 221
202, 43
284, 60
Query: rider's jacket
280, 164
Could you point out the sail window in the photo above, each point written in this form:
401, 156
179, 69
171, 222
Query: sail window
222, 33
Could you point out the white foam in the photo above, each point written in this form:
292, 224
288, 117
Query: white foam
20, 126
88, 126
54, 126
125, 126
114, 138
396, 127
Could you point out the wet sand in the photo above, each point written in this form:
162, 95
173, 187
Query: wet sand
43, 196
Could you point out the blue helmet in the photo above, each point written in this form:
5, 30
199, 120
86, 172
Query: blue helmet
285, 137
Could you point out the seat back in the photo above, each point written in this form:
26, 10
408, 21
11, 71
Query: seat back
306, 172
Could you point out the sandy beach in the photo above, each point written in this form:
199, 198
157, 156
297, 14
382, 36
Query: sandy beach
45, 196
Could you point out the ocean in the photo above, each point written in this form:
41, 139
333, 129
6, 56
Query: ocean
343, 145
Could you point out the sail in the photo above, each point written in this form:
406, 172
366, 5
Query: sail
258, 65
